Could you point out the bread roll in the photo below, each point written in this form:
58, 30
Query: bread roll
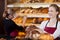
24, 1
45, 37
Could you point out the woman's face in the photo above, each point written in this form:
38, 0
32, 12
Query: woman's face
52, 12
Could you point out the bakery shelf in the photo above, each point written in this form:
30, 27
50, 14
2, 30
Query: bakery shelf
33, 5
43, 15
29, 24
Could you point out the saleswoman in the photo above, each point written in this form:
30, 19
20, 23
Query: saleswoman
52, 26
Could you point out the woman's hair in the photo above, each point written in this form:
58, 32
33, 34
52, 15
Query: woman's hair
56, 7
2, 8
6, 14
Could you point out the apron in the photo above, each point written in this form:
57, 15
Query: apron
51, 30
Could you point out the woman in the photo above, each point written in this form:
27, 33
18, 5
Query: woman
10, 26
2, 9
52, 26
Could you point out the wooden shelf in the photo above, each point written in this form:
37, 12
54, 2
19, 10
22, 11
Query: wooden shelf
33, 5
35, 15
38, 15
29, 24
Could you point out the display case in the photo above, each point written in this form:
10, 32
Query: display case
35, 10
29, 12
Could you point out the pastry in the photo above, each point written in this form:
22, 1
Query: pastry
45, 36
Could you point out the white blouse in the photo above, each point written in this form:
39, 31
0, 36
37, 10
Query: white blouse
56, 33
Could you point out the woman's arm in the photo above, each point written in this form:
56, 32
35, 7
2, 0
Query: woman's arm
57, 32
24, 20
42, 26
